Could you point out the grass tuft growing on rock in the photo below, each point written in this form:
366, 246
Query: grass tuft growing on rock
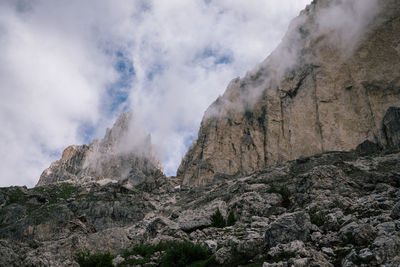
185, 253
166, 254
245, 257
17, 196
145, 251
86, 259
317, 216
178, 254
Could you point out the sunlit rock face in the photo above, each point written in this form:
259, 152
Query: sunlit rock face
125, 152
326, 87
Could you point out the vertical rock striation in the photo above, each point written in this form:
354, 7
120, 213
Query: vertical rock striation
391, 127
326, 87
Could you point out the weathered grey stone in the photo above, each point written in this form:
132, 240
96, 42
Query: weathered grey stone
252, 204
293, 248
296, 253
223, 255
113, 217
190, 220
350, 258
8, 257
359, 234
211, 245
391, 127
365, 255
386, 248
302, 262
287, 228
117, 260
328, 251
395, 214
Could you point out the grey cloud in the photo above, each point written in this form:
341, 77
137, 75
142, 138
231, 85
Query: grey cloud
55, 70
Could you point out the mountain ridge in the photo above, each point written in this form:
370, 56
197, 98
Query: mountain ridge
125, 153
318, 100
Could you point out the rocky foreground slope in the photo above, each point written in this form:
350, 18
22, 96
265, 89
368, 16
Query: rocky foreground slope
331, 209
326, 87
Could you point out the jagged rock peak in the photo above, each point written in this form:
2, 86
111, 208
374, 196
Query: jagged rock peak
125, 152
326, 87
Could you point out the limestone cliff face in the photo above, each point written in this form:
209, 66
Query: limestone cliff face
327, 87
123, 153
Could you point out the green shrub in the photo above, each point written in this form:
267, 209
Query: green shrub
16, 195
67, 190
174, 254
52, 193
242, 257
217, 220
283, 256
231, 219
186, 254
85, 259
317, 217
144, 250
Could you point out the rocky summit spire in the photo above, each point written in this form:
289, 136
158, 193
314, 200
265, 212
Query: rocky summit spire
125, 152
326, 87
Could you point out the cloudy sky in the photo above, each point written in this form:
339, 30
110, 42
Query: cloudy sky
69, 67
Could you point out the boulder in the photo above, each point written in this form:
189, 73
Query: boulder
391, 127
288, 227
395, 213
367, 147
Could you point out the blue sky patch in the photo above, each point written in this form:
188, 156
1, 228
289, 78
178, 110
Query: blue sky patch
118, 92
219, 57
154, 70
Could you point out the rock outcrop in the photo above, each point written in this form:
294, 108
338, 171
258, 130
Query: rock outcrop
327, 87
287, 228
391, 127
123, 153
331, 209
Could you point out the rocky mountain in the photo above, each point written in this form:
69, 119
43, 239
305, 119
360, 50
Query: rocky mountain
123, 154
327, 87
297, 164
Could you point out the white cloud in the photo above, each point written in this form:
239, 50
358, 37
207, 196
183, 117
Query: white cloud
176, 36
344, 22
58, 60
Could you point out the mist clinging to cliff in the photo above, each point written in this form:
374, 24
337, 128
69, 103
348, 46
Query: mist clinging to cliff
69, 68
338, 25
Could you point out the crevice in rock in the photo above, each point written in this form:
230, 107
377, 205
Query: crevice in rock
317, 120
367, 98
262, 122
